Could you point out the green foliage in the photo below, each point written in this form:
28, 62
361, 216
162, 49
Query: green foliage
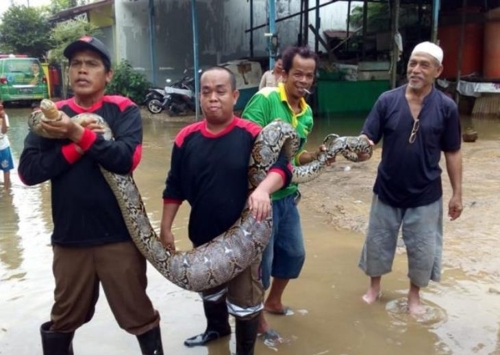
65, 33
25, 30
128, 82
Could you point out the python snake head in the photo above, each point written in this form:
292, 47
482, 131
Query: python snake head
332, 145
50, 111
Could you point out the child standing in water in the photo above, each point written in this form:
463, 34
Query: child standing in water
6, 162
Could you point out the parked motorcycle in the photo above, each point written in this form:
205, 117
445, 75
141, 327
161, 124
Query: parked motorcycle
154, 99
177, 99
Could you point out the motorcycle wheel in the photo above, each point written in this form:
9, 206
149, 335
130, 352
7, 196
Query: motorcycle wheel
154, 106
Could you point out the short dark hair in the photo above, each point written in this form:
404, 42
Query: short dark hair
290, 53
232, 78
278, 57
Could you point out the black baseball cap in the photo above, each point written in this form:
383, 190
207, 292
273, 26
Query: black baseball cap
91, 43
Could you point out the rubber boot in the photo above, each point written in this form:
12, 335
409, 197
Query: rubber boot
246, 335
150, 342
217, 324
56, 343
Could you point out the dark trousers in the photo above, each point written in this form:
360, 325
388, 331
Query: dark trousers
120, 268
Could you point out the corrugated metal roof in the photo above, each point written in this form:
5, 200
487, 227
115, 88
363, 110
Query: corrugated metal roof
77, 10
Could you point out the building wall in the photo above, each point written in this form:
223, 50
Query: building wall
221, 29
104, 18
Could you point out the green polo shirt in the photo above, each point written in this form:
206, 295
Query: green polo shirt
269, 104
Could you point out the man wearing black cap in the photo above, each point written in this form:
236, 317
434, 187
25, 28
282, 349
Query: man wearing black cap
90, 241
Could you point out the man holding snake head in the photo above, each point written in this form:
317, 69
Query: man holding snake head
90, 241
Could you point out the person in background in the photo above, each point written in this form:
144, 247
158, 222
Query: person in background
271, 78
416, 122
90, 241
6, 161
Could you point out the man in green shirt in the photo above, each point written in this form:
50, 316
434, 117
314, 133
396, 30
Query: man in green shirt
285, 254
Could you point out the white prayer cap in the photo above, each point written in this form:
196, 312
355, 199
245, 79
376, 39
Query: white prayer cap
431, 49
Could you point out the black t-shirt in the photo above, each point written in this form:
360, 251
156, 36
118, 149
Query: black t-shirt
409, 174
211, 173
85, 211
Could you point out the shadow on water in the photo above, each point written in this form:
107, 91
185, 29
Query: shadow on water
329, 316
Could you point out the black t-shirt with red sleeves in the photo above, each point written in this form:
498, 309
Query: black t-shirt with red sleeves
211, 173
85, 211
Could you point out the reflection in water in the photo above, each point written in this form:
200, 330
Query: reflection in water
328, 314
23, 214
10, 252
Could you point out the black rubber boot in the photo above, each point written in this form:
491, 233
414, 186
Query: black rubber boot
217, 324
56, 343
246, 334
150, 342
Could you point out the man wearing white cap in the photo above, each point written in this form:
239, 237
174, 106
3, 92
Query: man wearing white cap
416, 122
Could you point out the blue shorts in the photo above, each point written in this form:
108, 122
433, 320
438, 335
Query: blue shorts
422, 230
6, 162
284, 256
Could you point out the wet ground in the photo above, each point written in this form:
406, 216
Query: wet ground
463, 311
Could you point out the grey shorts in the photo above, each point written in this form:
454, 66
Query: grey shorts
422, 230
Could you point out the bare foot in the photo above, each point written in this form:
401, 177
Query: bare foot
263, 326
415, 308
372, 295
276, 308
414, 305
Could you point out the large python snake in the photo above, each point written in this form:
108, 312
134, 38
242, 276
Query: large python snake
222, 259
349, 147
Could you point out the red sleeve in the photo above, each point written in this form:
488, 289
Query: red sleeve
70, 153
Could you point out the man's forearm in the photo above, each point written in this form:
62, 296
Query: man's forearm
272, 183
306, 157
454, 169
168, 215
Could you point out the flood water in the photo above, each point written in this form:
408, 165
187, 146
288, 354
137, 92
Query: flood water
329, 316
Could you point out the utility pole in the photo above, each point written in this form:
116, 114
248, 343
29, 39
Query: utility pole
395, 8
272, 32
194, 20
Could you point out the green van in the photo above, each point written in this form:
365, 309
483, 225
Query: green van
22, 80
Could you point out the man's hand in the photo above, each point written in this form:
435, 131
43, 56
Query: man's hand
365, 156
259, 203
91, 124
321, 149
455, 208
167, 239
64, 128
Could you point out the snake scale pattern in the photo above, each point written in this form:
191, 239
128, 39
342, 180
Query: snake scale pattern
223, 258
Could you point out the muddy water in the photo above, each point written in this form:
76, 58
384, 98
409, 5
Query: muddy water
329, 317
